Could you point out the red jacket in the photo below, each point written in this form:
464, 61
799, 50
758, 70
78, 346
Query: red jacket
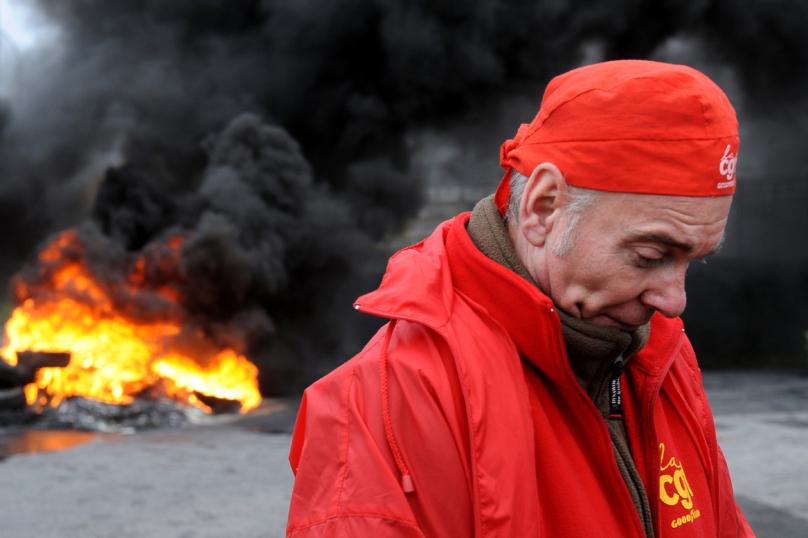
441, 401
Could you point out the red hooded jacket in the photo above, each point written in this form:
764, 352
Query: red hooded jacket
462, 417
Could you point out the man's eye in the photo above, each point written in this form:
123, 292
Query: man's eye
649, 262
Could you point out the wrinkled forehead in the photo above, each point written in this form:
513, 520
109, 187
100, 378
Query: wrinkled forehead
648, 206
694, 221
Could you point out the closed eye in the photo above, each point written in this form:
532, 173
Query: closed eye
642, 261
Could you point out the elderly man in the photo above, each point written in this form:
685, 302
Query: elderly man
534, 379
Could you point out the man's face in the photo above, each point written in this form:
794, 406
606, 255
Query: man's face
631, 254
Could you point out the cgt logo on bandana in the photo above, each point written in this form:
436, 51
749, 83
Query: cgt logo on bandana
674, 489
726, 167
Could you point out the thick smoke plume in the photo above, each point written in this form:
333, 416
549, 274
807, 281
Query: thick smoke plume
272, 227
257, 244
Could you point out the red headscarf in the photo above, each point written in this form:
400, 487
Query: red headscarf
630, 126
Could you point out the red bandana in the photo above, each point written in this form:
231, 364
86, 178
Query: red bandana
631, 126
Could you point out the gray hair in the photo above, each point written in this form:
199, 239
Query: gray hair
576, 201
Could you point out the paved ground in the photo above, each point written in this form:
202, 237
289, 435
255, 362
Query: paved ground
222, 481
762, 425
232, 480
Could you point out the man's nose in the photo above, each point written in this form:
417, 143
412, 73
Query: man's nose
666, 294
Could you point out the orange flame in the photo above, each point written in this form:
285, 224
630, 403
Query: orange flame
114, 358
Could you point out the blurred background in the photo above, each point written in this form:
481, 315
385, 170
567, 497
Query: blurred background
216, 182
296, 145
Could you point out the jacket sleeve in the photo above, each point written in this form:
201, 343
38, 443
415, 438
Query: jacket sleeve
346, 480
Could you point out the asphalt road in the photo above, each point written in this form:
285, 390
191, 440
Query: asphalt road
232, 480
762, 425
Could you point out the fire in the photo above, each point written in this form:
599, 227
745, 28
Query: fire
115, 358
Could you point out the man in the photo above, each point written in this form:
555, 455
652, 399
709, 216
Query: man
534, 378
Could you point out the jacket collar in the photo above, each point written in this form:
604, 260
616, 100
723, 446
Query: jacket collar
521, 308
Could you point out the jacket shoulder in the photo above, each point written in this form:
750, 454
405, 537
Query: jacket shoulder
413, 348
346, 474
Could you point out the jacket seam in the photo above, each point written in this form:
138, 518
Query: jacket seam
461, 376
639, 366
356, 515
344, 459
472, 427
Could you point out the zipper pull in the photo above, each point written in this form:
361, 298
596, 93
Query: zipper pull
615, 394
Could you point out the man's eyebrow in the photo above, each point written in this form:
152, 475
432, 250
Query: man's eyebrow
668, 240
665, 239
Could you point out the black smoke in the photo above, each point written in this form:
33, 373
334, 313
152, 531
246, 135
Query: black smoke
132, 92
147, 81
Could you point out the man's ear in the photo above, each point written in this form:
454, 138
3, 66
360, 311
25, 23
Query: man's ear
541, 203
